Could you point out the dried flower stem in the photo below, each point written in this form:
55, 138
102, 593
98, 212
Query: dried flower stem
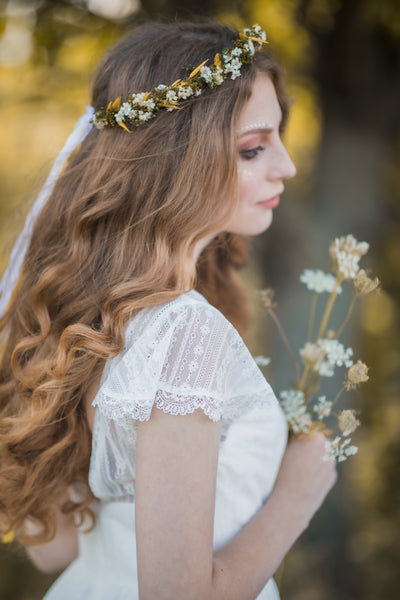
312, 386
303, 380
312, 315
328, 308
340, 331
340, 392
284, 339
309, 387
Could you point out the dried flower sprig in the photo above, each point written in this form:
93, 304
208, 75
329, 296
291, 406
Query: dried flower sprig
339, 449
357, 374
321, 356
267, 300
262, 361
348, 422
295, 409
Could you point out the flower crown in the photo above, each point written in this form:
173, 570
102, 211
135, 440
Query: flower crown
141, 107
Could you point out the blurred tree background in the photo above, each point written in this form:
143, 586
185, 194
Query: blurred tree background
342, 59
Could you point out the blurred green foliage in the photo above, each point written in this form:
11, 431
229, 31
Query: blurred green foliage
342, 60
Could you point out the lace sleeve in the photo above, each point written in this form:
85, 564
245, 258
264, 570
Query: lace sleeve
195, 367
188, 356
178, 362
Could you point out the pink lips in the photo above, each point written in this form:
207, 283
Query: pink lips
271, 202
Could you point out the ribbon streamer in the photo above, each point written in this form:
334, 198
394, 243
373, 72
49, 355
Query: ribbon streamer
11, 274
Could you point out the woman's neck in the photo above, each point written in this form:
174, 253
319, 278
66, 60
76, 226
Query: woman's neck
201, 244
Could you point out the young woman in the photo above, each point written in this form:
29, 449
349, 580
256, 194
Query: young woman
142, 450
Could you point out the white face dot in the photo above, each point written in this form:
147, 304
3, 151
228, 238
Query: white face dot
247, 127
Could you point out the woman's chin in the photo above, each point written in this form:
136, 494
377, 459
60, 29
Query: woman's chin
253, 226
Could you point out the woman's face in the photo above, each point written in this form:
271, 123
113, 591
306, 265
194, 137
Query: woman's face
263, 161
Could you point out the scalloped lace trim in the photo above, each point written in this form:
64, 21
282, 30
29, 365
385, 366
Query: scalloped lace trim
169, 402
178, 404
181, 404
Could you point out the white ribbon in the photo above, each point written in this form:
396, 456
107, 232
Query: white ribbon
17, 255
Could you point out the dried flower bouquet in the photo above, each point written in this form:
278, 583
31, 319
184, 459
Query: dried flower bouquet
304, 408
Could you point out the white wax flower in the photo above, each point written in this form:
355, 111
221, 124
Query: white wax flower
249, 46
171, 96
262, 361
144, 116
138, 98
218, 76
335, 356
185, 92
292, 402
319, 281
339, 449
125, 108
206, 74
323, 407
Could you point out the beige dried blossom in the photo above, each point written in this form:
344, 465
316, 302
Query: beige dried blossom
345, 253
358, 373
348, 421
267, 297
312, 355
363, 284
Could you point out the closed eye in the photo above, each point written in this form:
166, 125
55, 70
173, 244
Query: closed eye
251, 153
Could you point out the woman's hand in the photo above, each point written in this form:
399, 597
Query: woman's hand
304, 477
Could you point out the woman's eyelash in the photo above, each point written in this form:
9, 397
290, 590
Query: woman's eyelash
251, 152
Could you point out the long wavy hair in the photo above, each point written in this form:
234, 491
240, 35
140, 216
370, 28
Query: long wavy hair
117, 234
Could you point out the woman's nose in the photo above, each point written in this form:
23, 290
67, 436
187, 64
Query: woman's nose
283, 167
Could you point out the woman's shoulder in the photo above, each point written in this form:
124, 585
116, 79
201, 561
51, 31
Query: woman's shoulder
190, 309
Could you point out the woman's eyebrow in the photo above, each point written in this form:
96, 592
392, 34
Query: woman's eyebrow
248, 130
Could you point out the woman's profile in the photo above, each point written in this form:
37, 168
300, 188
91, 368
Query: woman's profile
143, 453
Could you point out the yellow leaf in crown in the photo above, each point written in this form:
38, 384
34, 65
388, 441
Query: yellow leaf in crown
8, 537
197, 69
171, 106
146, 96
123, 126
250, 37
116, 103
217, 60
109, 105
175, 82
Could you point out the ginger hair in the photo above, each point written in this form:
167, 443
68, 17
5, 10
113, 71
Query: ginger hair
116, 235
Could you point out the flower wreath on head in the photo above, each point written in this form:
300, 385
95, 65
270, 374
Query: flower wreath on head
141, 107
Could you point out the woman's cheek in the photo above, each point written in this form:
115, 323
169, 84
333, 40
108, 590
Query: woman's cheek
245, 174
246, 177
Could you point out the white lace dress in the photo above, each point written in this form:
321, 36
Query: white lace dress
180, 356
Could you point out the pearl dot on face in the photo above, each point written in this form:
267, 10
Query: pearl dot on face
255, 125
245, 173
